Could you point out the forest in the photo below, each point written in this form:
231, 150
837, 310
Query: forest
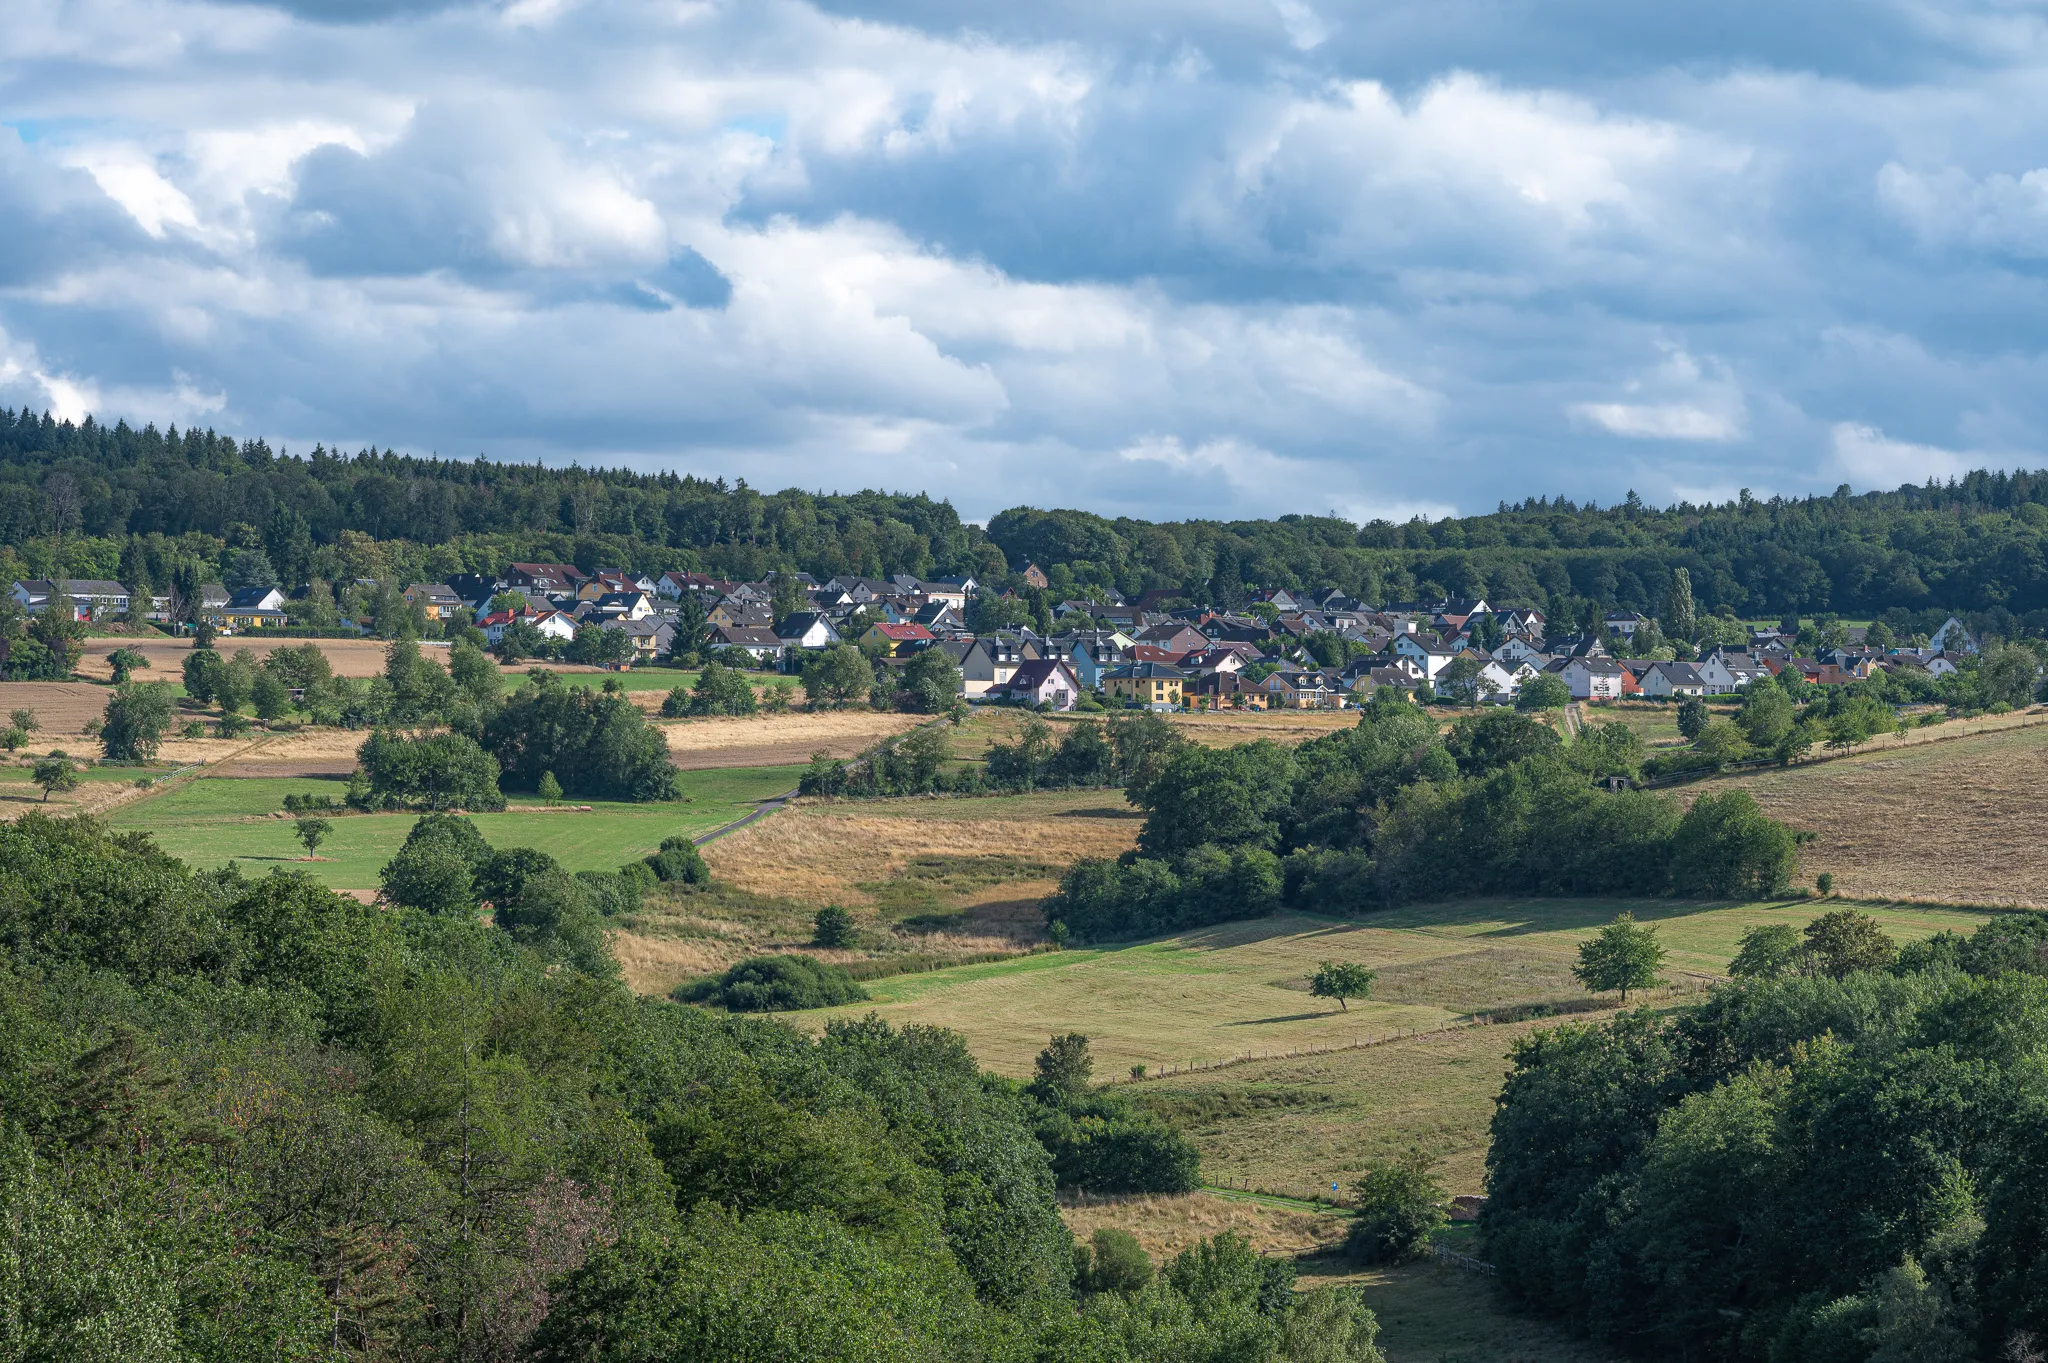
1840, 1158
156, 506
246, 1119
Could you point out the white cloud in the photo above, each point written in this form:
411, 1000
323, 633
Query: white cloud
1868, 458
1699, 402
131, 180
1658, 421
1205, 257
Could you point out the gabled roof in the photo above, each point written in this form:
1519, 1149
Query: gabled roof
901, 634
1033, 673
745, 636
1145, 671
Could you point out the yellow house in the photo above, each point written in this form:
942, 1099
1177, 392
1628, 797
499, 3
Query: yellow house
1157, 685
435, 600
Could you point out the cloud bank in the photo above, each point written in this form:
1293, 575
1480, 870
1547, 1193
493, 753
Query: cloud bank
1167, 260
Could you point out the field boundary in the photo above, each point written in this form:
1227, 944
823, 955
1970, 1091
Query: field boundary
1251, 1057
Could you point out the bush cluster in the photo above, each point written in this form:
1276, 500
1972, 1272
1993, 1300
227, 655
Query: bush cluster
776, 984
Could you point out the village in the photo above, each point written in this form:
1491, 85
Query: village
1318, 650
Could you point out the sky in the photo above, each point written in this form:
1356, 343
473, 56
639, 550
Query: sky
1219, 258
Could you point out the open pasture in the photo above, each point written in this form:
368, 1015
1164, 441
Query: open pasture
1241, 988
209, 821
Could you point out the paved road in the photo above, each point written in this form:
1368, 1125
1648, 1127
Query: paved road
761, 811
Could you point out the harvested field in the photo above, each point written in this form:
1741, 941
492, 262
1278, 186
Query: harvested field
1961, 821
943, 880
62, 708
778, 740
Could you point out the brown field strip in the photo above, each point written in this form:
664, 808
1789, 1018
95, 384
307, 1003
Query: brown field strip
778, 740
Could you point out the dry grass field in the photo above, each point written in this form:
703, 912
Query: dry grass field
778, 740
1166, 1224
1960, 821
829, 852
952, 879
1302, 1105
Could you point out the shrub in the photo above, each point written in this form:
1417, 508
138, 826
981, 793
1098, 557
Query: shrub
776, 984
1112, 1261
679, 861
1400, 1205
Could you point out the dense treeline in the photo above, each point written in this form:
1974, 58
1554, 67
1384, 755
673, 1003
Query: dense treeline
169, 506
1827, 1166
1394, 810
257, 1119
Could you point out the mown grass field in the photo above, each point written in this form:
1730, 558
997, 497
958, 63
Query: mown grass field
1241, 988
210, 821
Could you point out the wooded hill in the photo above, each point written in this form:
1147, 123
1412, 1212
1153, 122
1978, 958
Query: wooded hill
114, 501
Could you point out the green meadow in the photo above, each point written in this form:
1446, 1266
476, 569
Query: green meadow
210, 821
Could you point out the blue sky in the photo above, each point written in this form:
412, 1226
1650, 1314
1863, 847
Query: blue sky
1207, 258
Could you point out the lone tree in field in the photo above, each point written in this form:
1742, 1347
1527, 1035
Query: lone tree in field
313, 832
1342, 980
24, 719
1624, 956
55, 773
135, 720
550, 789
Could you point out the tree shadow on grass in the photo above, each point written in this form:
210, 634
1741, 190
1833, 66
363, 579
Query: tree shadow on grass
1530, 917
1291, 1017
